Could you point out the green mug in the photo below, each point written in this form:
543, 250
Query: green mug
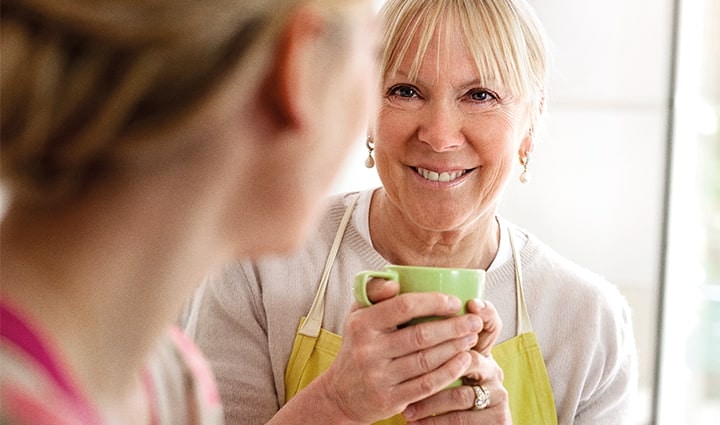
466, 284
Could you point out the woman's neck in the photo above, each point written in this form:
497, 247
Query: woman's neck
104, 280
400, 242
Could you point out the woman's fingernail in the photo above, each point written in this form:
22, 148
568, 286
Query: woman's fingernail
470, 341
465, 360
453, 303
474, 323
480, 303
409, 412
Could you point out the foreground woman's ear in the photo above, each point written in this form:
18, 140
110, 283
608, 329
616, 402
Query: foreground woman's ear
292, 84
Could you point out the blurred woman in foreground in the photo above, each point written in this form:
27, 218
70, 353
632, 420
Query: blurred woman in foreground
143, 144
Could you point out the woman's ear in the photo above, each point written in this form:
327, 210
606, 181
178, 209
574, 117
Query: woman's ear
291, 83
527, 145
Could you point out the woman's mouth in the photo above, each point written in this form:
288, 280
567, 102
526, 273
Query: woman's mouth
443, 177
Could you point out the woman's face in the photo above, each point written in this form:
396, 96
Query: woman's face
445, 143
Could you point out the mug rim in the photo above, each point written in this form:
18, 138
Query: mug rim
442, 269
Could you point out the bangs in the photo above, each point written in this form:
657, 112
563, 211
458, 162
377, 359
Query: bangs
505, 40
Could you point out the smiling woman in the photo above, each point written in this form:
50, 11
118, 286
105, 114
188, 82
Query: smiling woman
442, 113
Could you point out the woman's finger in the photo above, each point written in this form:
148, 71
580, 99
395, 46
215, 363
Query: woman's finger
422, 336
380, 290
398, 310
483, 368
460, 402
424, 361
484, 371
426, 385
492, 325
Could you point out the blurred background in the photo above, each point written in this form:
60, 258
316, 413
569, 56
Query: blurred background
630, 159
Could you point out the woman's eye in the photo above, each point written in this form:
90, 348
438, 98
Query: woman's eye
481, 95
403, 91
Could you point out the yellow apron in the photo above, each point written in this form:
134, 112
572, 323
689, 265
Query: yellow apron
526, 380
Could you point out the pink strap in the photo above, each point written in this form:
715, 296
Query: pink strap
197, 365
14, 331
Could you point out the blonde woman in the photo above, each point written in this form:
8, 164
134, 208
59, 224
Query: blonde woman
462, 94
143, 144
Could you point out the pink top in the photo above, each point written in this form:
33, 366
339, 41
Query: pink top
36, 387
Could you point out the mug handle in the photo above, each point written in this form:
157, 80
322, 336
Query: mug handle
360, 285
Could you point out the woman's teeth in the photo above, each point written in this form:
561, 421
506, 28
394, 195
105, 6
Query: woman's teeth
434, 176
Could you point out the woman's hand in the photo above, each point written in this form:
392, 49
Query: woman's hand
455, 405
381, 369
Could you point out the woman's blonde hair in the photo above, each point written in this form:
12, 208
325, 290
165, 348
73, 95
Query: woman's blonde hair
504, 37
80, 76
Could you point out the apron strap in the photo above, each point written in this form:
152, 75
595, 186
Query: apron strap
312, 324
523, 319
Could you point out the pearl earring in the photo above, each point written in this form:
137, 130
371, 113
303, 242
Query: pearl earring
525, 176
369, 161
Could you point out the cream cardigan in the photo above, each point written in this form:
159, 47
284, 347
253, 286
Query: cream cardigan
245, 319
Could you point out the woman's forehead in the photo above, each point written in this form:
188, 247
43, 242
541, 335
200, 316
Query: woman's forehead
445, 48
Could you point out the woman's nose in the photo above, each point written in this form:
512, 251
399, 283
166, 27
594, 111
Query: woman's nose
440, 127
